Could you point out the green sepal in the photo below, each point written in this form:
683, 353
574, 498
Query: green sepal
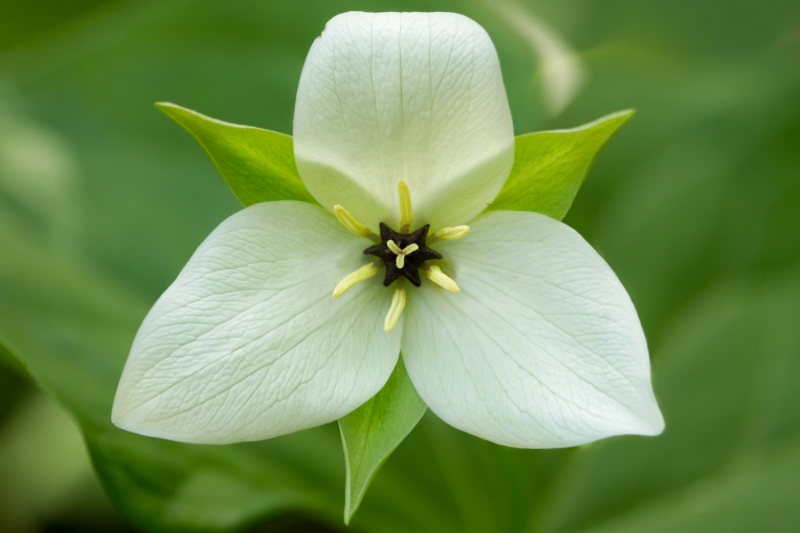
258, 165
550, 166
373, 431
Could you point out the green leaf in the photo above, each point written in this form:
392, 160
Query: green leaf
258, 165
373, 431
550, 166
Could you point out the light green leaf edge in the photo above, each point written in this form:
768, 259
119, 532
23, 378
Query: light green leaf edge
258, 165
373, 431
550, 166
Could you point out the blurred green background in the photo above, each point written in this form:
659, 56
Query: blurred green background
695, 204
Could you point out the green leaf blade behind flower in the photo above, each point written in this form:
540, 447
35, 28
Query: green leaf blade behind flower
550, 166
373, 431
258, 165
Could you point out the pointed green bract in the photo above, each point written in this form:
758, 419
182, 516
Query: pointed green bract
372, 432
550, 166
258, 165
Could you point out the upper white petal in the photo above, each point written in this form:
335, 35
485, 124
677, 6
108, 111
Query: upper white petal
248, 342
411, 96
542, 348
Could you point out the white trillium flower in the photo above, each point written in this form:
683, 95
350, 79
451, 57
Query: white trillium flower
511, 326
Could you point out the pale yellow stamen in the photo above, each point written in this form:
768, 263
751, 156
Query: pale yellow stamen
365, 272
451, 233
436, 275
349, 222
401, 253
396, 309
406, 213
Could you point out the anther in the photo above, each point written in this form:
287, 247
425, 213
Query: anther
349, 222
436, 275
365, 272
450, 233
396, 309
406, 212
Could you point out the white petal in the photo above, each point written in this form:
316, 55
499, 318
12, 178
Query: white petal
248, 342
542, 348
418, 97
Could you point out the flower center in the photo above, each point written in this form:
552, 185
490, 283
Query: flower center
401, 252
